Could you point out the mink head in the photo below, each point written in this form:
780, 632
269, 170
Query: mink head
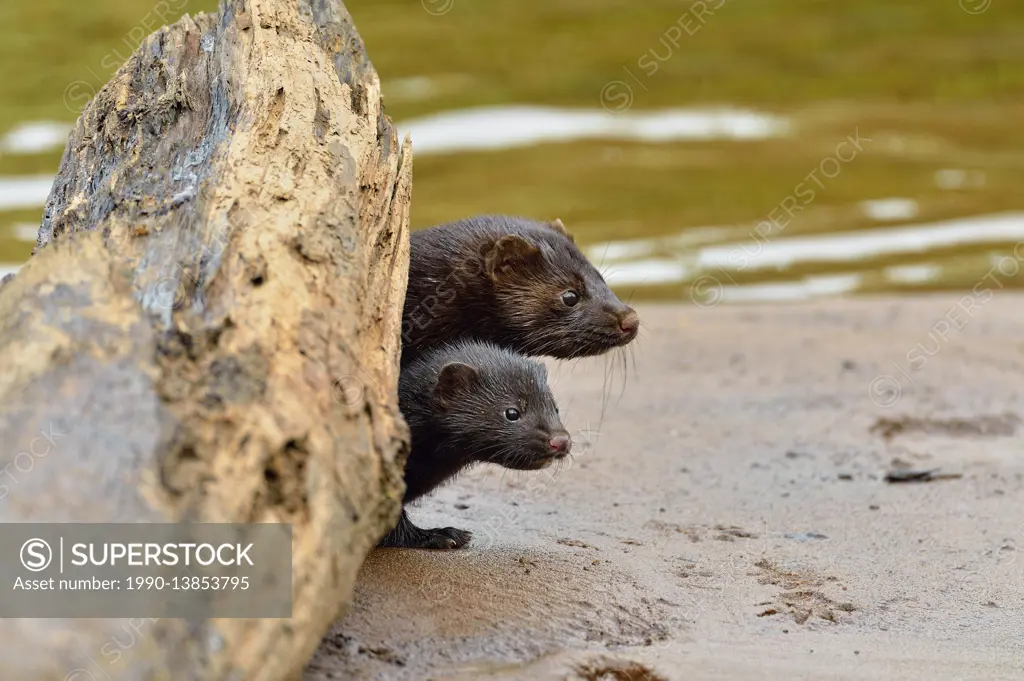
497, 406
551, 300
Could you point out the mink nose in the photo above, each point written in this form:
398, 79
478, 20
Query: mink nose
560, 444
630, 321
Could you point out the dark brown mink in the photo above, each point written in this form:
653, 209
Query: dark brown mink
470, 403
517, 283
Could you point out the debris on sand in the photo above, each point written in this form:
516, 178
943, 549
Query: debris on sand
805, 536
801, 598
734, 531
696, 533
610, 669
900, 475
1002, 425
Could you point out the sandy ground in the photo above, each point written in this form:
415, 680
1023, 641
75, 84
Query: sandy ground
728, 518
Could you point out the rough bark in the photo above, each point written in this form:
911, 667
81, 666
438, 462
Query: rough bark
211, 320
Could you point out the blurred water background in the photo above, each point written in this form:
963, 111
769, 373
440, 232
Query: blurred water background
736, 150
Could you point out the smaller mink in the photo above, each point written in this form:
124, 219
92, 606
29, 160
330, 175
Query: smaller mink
466, 403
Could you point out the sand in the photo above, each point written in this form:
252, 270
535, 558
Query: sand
728, 517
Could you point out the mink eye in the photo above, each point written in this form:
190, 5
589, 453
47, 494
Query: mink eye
512, 414
570, 298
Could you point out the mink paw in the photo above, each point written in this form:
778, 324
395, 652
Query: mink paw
446, 538
408, 536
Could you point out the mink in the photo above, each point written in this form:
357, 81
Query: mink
469, 403
517, 283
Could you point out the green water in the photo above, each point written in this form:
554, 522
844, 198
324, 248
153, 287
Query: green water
937, 86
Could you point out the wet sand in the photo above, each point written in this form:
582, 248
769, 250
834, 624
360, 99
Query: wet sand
728, 517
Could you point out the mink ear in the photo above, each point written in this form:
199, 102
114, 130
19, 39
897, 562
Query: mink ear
510, 254
560, 228
453, 379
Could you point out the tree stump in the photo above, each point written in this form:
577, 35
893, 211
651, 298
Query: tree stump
209, 328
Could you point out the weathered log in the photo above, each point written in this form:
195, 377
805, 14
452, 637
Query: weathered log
210, 320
